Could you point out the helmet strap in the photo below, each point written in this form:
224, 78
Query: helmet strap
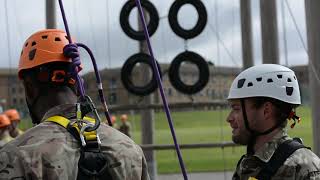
254, 134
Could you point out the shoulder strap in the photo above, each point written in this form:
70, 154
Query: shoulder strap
92, 162
279, 157
64, 122
235, 174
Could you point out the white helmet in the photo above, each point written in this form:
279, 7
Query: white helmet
266, 80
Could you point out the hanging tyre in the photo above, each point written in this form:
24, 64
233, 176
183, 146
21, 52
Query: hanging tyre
174, 75
198, 28
153, 19
126, 75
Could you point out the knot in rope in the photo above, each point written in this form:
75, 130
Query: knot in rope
71, 51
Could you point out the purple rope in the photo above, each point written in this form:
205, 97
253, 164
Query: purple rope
75, 61
76, 64
99, 82
166, 107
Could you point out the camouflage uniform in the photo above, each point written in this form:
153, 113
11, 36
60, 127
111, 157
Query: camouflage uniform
5, 137
302, 164
125, 128
48, 151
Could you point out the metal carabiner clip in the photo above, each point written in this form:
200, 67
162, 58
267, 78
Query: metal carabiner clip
82, 131
95, 113
82, 138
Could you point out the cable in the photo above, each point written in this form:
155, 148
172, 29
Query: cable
296, 26
75, 18
217, 30
9, 47
164, 100
92, 34
108, 34
223, 45
216, 13
301, 39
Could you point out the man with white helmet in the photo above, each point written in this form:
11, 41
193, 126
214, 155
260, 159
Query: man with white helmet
262, 98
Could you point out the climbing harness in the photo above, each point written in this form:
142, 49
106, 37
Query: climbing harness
166, 107
281, 154
92, 162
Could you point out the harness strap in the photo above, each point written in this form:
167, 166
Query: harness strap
281, 154
92, 162
64, 122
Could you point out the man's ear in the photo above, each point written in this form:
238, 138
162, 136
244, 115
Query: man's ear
31, 89
268, 110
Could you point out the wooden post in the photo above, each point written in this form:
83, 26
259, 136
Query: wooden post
313, 29
246, 32
269, 28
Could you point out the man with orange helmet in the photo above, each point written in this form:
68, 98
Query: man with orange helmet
14, 117
125, 125
59, 146
114, 122
4, 124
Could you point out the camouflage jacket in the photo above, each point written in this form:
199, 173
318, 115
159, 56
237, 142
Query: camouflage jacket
125, 128
303, 164
48, 151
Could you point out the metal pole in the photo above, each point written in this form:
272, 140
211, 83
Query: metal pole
269, 28
246, 31
313, 29
147, 116
51, 21
284, 33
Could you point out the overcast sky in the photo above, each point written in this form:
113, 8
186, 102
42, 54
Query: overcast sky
96, 24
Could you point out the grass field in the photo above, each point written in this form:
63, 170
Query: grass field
203, 127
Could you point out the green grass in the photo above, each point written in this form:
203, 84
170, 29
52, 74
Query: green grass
203, 127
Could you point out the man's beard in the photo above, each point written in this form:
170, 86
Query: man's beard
242, 138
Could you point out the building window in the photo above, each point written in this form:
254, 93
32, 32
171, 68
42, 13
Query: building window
213, 94
113, 98
113, 83
169, 92
13, 90
14, 100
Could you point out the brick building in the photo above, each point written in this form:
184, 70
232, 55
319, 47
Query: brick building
216, 89
12, 91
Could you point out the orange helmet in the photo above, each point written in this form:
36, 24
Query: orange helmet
113, 119
43, 47
4, 121
12, 114
124, 117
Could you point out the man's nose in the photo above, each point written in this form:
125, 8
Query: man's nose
229, 118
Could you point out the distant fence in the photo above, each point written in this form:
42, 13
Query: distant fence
173, 106
188, 146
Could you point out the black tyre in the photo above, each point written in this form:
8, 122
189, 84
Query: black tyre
124, 19
126, 74
198, 28
174, 75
